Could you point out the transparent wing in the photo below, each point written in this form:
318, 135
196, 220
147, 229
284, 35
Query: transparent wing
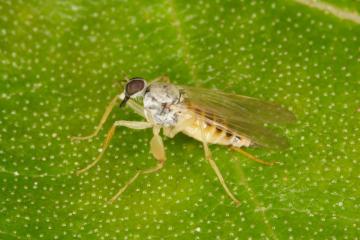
236, 106
243, 115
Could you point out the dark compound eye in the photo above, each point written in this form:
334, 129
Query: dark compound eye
134, 85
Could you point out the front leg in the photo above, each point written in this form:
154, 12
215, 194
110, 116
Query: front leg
129, 124
106, 114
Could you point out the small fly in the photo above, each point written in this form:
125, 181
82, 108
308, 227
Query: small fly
209, 116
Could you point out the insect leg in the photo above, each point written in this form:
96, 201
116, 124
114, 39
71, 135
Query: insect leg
129, 124
157, 149
248, 155
106, 114
212, 163
162, 78
157, 145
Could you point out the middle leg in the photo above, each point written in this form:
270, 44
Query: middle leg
158, 150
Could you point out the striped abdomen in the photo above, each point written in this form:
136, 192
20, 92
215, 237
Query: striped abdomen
214, 134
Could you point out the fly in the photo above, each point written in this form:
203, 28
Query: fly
209, 116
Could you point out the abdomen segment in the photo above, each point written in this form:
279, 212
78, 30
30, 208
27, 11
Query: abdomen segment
215, 134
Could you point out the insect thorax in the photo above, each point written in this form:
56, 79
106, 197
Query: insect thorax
160, 101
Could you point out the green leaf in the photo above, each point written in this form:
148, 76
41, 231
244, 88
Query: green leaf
61, 62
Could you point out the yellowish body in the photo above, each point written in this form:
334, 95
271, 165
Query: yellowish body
214, 134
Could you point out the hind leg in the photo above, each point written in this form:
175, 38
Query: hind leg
212, 163
251, 157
